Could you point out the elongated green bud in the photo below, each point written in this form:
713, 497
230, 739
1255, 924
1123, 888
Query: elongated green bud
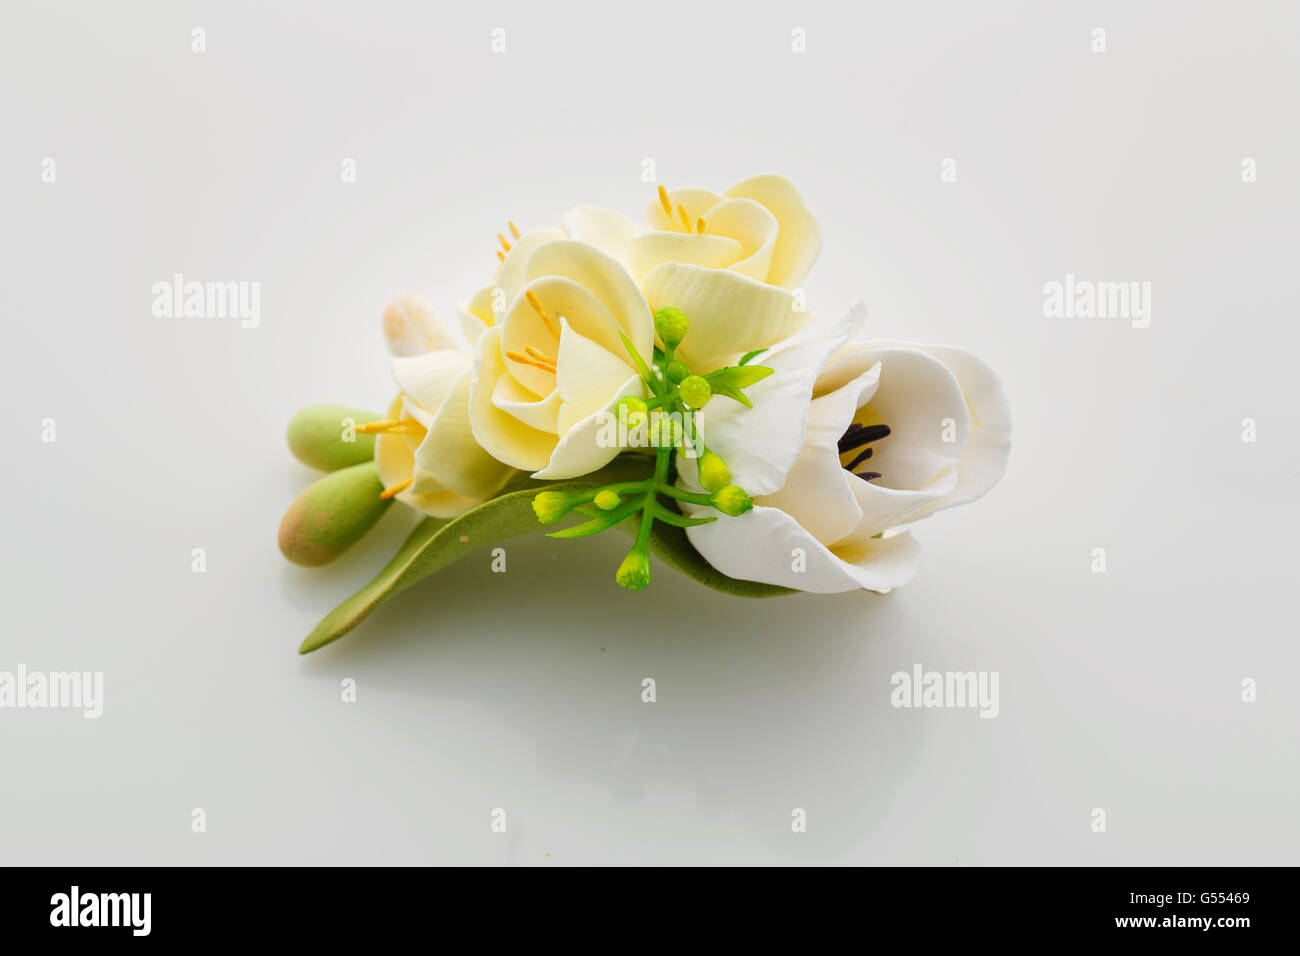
325, 436
634, 572
732, 500
714, 473
332, 515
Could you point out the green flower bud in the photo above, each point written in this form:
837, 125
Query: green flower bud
332, 515
551, 506
631, 405
671, 325
319, 437
714, 473
731, 500
695, 391
666, 432
677, 371
634, 572
607, 500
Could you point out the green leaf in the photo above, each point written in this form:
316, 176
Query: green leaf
638, 361
437, 542
735, 376
735, 394
750, 356
599, 522
679, 520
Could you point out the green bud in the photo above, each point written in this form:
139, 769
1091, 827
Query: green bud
695, 391
607, 500
671, 325
714, 473
634, 572
731, 500
324, 436
631, 405
677, 371
666, 432
551, 506
333, 514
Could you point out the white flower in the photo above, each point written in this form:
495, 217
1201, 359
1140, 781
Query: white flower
758, 228
556, 360
425, 451
894, 432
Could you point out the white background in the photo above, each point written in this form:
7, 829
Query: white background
521, 690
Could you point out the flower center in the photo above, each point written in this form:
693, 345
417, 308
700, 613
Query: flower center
861, 436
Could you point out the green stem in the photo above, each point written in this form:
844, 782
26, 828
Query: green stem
648, 513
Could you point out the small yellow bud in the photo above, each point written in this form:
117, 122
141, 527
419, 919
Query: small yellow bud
731, 500
634, 572
695, 391
714, 473
671, 325
607, 500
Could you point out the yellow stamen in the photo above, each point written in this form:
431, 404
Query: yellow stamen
686, 220
539, 355
514, 230
504, 245
663, 201
396, 489
536, 303
402, 424
529, 360
699, 225
501, 255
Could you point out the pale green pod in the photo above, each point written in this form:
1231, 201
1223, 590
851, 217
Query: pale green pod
332, 515
325, 436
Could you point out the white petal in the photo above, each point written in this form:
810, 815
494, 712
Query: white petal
428, 379
760, 445
586, 377
513, 272
412, 327
503, 436
605, 279
582, 449
818, 490
452, 456
729, 313
653, 248
988, 444
476, 315
753, 227
607, 230
800, 239
766, 545
514, 399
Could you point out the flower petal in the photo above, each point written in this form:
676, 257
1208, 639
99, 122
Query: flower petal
760, 445
584, 448
729, 313
753, 227
451, 455
818, 490
605, 279
513, 272
412, 327
502, 435
711, 252
395, 462
586, 377
476, 315
767, 545
514, 399
800, 238
428, 379
607, 230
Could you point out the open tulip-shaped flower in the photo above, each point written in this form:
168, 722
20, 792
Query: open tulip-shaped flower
558, 358
895, 432
425, 450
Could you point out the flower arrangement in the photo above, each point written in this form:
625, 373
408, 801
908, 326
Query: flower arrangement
667, 381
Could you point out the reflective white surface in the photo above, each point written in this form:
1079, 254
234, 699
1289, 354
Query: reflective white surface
522, 690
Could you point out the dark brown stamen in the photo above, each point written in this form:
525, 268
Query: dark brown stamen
866, 453
857, 436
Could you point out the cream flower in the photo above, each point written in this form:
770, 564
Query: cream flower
556, 361
894, 433
425, 451
759, 228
